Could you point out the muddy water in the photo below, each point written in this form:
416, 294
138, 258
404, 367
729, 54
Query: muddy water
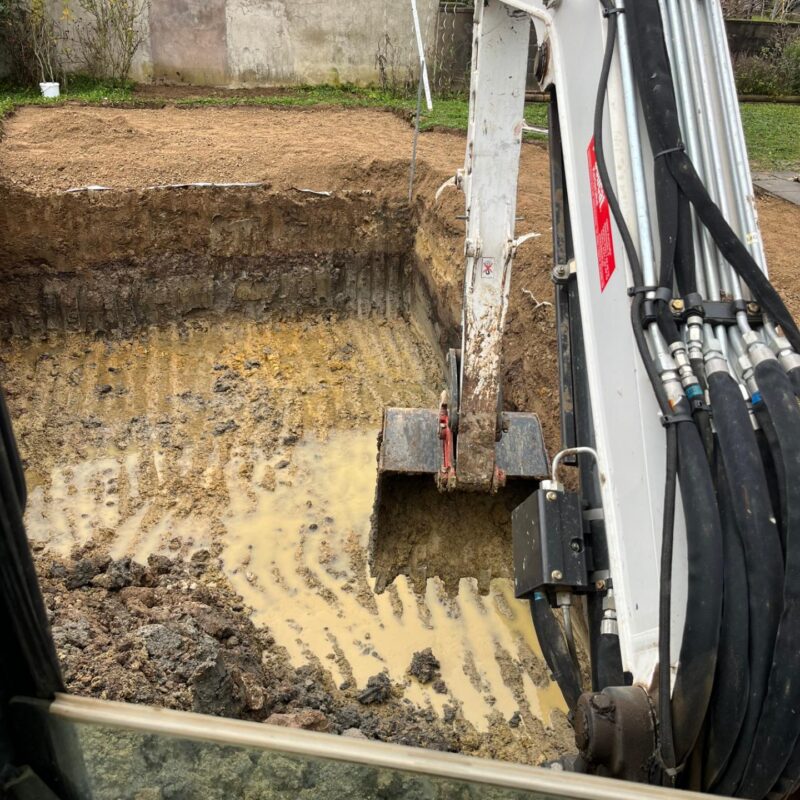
258, 442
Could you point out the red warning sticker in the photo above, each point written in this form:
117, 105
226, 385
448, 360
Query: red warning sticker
606, 262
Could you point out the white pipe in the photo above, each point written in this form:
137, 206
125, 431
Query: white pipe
423, 66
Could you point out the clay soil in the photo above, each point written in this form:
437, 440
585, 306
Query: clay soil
118, 623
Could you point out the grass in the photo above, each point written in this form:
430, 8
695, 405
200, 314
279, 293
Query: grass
80, 89
773, 135
772, 129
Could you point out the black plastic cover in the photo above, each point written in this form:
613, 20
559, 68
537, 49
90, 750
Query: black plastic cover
549, 550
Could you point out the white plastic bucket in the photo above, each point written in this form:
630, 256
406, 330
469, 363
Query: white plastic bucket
49, 89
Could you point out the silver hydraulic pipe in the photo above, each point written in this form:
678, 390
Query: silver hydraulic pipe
700, 242
711, 142
686, 106
693, 93
710, 134
647, 253
735, 133
658, 345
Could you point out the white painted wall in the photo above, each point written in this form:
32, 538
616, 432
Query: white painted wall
278, 42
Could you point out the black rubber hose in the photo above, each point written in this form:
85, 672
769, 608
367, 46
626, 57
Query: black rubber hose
698, 658
594, 603
26, 631
754, 519
779, 725
616, 210
10, 445
555, 649
794, 377
666, 747
732, 682
666, 724
657, 92
609, 661
768, 445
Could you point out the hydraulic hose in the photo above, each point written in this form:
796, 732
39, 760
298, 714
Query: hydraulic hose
694, 681
732, 682
666, 723
555, 650
698, 658
660, 107
794, 377
10, 446
751, 509
609, 658
779, 725
768, 442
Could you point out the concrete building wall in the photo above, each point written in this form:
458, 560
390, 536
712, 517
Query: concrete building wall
272, 42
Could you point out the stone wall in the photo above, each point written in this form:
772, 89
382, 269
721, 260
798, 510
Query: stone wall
750, 37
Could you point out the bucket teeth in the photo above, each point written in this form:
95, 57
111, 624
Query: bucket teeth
423, 526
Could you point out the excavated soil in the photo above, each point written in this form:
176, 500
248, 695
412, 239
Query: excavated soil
196, 377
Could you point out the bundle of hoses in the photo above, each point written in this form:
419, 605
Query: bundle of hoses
732, 723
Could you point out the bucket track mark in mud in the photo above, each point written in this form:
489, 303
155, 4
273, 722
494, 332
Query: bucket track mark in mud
283, 500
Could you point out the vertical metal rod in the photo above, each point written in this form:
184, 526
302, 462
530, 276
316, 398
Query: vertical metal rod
413, 171
708, 133
686, 102
646, 248
647, 253
423, 67
702, 250
735, 133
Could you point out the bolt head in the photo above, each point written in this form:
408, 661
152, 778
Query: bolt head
602, 703
677, 305
753, 308
552, 496
600, 585
557, 575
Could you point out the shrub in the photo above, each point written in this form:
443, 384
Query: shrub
774, 71
756, 75
30, 36
108, 34
790, 66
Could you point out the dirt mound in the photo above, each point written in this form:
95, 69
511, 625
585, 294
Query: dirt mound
172, 633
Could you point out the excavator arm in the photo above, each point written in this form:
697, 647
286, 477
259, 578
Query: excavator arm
679, 376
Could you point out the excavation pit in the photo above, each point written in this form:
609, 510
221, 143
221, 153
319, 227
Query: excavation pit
204, 369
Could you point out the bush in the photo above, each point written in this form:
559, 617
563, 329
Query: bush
15, 35
108, 34
774, 71
757, 75
790, 61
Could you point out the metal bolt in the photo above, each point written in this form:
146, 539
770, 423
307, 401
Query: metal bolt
552, 496
575, 547
753, 308
600, 585
677, 305
556, 574
602, 703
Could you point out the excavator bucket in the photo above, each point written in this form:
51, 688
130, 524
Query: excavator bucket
421, 530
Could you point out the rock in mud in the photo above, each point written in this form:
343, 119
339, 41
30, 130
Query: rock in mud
119, 574
84, 570
225, 427
379, 690
178, 636
424, 666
